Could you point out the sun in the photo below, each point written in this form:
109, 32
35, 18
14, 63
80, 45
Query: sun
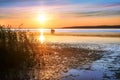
42, 18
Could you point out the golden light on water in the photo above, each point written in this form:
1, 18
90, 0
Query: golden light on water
42, 37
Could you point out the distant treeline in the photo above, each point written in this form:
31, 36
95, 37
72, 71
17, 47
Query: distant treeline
96, 27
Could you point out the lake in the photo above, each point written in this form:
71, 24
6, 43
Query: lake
77, 54
107, 40
82, 36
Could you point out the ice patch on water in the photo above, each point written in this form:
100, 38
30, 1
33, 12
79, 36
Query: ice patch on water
109, 64
102, 69
75, 74
102, 47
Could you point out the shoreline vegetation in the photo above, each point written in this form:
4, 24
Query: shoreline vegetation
16, 54
24, 58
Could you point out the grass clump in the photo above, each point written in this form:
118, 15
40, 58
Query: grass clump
16, 51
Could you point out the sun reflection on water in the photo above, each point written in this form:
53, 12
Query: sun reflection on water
42, 37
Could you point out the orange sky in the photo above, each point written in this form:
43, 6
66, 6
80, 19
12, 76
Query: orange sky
59, 13
62, 22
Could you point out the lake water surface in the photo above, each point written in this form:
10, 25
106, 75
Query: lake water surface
105, 68
83, 36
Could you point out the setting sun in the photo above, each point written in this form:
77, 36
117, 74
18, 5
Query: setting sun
42, 18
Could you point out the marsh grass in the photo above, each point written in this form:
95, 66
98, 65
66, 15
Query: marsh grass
17, 53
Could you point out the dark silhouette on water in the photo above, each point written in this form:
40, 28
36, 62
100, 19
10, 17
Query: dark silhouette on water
52, 31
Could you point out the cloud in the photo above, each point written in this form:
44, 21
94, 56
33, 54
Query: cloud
24, 0
65, 10
96, 14
24, 3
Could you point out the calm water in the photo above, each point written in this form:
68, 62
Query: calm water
79, 30
74, 30
74, 36
82, 39
87, 30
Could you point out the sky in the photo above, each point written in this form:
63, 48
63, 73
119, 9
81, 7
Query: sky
59, 13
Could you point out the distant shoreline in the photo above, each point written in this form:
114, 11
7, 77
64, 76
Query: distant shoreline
94, 27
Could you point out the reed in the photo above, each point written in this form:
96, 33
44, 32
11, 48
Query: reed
17, 51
